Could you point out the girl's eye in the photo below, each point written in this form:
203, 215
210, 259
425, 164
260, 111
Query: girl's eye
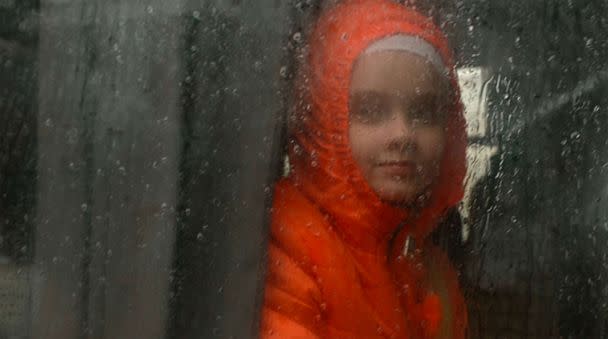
428, 110
369, 109
370, 114
428, 115
424, 117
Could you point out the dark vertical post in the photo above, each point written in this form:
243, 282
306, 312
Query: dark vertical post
230, 161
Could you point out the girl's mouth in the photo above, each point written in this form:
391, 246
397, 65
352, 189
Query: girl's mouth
400, 168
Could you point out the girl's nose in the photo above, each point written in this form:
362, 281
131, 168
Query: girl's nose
400, 132
400, 125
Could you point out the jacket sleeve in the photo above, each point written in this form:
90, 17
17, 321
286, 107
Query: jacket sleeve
291, 297
444, 279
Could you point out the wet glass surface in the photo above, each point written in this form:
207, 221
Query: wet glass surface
140, 141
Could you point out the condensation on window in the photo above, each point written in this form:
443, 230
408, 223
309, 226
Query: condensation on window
140, 142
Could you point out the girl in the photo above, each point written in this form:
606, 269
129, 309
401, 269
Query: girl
377, 149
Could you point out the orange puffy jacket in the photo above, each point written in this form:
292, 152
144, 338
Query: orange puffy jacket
336, 269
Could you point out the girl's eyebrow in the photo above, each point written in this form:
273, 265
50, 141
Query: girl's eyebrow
425, 98
433, 95
370, 93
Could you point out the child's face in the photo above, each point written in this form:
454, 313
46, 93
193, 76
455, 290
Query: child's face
398, 105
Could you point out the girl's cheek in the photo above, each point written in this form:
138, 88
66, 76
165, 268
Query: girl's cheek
433, 142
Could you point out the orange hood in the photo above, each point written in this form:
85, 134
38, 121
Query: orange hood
323, 167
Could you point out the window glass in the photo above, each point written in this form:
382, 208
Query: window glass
142, 144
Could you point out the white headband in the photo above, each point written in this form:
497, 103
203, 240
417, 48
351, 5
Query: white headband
412, 44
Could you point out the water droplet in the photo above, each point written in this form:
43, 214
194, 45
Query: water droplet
297, 37
257, 65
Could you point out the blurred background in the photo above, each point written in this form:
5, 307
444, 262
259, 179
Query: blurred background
140, 139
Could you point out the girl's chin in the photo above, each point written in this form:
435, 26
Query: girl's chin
397, 196
402, 194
